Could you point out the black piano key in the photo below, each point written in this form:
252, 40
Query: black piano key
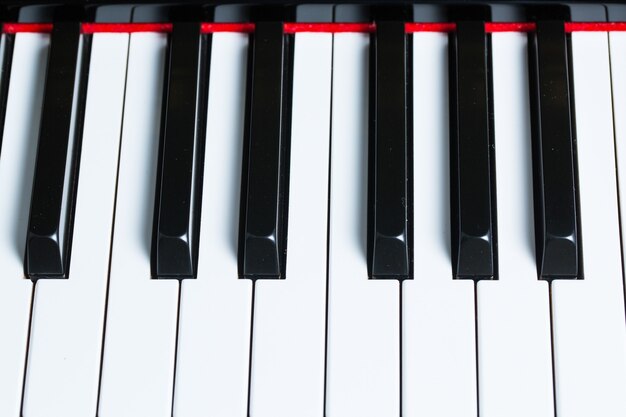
179, 177
264, 194
5, 75
388, 211
554, 161
472, 179
53, 198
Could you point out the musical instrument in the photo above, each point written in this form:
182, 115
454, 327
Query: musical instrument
341, 210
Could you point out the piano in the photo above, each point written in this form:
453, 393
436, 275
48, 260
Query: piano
312, 210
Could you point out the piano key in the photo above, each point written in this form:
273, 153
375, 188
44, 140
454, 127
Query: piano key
617, 45
289, 333
554, 173
514, 312
6, 57
212, 364
263, 231
65, 347
363, 350
179, 179
389, 205
54, 184
472, 183
589, 333
438, 332
140, 338
17, 165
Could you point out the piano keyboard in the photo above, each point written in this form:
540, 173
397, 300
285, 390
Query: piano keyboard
339, 211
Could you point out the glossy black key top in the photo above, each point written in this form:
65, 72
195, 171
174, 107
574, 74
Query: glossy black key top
263, 224
56, 167
472, 170
554, 157
179, 176
389, 205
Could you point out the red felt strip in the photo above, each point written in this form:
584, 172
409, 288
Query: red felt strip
595, 27
430, 27
329, 27
227, 27
13, 28
91, 28
490, 27
495, 27
290, 28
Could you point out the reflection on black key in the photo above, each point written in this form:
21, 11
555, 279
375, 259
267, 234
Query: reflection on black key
556, 230
263, 224
179, 177
54, 183
5, 74
472, 180
388, 211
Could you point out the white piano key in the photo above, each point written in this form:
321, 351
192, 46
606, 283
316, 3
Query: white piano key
438, 334
589, 331
140, 337
617, 44
514, 340
289, 333
68, 314
17, 160
363, 362
214, 328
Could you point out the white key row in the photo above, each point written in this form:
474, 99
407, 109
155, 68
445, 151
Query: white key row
326, 341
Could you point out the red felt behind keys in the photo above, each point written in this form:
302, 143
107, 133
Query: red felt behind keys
296, 27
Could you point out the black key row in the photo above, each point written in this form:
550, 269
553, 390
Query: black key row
264, 190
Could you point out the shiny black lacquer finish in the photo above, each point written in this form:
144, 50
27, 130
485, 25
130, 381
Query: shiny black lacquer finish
472, 157
53, 198
264, 194
388, 195
179, 177
554, 162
